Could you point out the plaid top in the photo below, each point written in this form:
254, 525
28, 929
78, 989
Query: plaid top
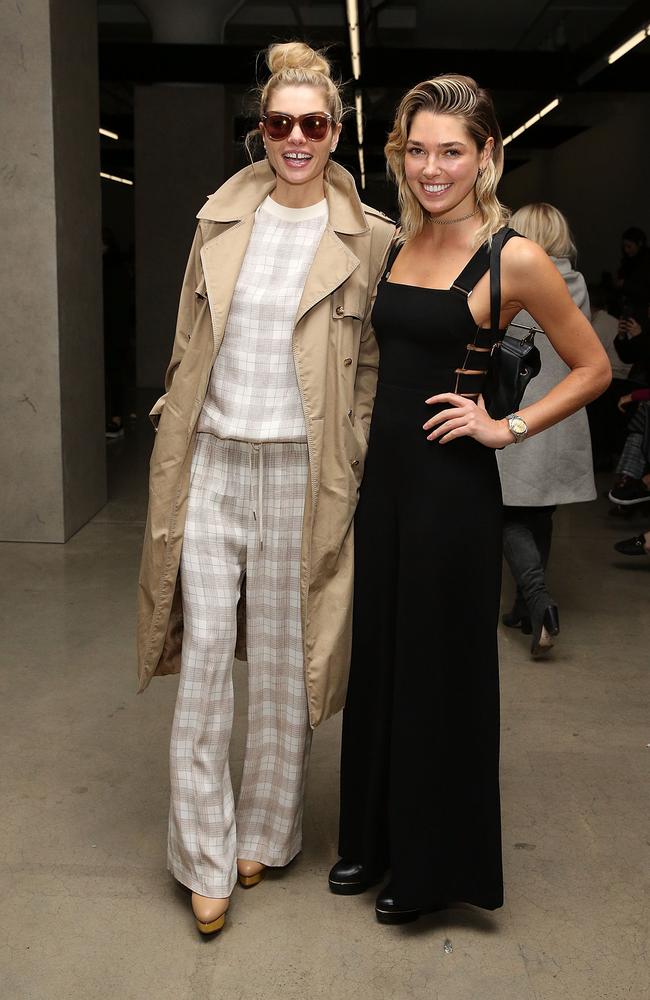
253, 393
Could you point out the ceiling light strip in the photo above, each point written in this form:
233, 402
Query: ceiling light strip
631, 43
362, 167
532, 121
352, 9
358, 104
119, 180
109, 135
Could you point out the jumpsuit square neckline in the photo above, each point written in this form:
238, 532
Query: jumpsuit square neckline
455, 286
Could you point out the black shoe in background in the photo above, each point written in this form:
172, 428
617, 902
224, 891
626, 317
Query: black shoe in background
632, 546
628, 491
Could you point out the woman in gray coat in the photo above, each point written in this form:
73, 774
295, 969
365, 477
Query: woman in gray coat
554, 467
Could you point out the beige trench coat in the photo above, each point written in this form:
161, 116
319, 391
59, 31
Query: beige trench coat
336, 360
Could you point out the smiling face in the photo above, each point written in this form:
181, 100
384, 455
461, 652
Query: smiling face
297, 160
441, 163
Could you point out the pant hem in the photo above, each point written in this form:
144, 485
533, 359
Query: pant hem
196, 885
268, 858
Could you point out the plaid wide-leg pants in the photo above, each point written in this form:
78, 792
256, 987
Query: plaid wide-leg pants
244, 516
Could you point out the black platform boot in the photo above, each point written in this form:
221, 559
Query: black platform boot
348, 878
388, 911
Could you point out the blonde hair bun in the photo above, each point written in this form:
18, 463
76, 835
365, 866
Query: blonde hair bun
296, 55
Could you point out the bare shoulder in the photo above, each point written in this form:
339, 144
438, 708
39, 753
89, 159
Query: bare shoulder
523, 258
529, 272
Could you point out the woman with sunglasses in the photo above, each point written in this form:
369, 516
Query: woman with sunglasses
254, 476
420, 762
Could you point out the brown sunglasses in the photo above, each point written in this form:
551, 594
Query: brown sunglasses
314, 125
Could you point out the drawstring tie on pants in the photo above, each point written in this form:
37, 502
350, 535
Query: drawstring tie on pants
259, 506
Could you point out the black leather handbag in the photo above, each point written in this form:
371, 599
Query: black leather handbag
513, 361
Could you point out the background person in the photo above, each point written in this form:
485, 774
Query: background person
555, 467
606, 421
632, 484
632, 344
632, 280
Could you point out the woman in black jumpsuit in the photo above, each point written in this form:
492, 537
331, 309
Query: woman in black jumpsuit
420, 754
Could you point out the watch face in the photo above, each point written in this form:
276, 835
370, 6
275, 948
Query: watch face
518, 425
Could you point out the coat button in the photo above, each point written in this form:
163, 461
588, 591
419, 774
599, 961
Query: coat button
349, 413
347, 362
355, 461
340, 310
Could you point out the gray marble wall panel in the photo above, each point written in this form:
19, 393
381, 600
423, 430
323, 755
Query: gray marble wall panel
179, 160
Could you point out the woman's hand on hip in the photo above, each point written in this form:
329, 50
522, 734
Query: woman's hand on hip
466, 418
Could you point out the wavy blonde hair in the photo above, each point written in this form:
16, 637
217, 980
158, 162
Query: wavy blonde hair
545, 224
449, 94
295, 64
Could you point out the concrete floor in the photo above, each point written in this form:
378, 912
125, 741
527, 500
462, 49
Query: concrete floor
88, 910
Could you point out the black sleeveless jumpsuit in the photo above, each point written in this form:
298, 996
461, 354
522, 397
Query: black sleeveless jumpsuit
420, 752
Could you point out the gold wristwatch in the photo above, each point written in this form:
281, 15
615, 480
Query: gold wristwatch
518, 427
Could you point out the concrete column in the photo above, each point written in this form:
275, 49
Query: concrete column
52, 449
179, 160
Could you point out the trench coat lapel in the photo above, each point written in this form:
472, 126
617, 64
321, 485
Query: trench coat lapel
222, 259
333, 263
235, 203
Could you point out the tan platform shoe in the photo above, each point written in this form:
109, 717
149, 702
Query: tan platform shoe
210, 914
250, 873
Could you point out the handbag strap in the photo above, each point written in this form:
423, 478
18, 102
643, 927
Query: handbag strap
498, 242
392, 254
